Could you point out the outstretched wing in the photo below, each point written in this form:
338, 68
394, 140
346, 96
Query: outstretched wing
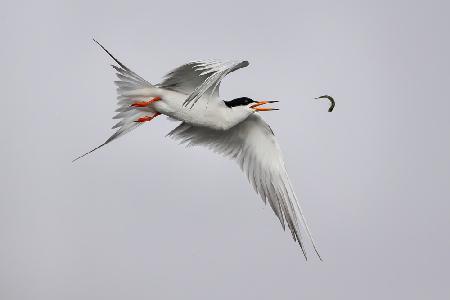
199, 78
253, 145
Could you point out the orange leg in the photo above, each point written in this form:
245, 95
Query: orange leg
147, 118
145, 103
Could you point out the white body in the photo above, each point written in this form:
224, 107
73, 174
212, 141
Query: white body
212, 114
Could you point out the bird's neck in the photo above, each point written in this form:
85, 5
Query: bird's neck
226, 117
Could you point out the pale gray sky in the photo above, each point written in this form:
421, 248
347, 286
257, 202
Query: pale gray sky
144, 218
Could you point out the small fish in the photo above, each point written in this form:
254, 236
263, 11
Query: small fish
329, 98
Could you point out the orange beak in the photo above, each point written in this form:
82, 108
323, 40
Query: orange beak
257, 104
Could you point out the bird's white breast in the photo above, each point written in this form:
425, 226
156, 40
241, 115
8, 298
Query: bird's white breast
212, 114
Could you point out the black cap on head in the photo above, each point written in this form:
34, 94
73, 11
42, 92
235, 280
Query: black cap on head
239, 101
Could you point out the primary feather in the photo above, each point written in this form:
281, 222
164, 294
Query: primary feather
199, 78
253, 146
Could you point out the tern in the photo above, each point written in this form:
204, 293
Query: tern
234, 128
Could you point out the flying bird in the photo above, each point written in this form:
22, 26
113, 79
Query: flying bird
234, 128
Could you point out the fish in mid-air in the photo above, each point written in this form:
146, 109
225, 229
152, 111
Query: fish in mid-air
331, 100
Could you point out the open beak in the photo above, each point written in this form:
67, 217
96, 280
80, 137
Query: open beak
257, 104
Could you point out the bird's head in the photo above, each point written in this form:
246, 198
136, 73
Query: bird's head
249, 105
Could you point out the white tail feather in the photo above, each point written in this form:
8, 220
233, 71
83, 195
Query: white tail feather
130, 88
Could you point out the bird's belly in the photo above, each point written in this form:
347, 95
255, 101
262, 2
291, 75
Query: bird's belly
200, 114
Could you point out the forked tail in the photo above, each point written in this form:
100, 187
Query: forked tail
133, 95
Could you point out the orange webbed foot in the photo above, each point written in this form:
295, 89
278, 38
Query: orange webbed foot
145, 103
147, 118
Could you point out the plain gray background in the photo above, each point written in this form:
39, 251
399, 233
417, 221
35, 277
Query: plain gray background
144, 218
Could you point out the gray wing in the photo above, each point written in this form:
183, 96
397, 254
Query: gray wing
200, 78
253, 146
